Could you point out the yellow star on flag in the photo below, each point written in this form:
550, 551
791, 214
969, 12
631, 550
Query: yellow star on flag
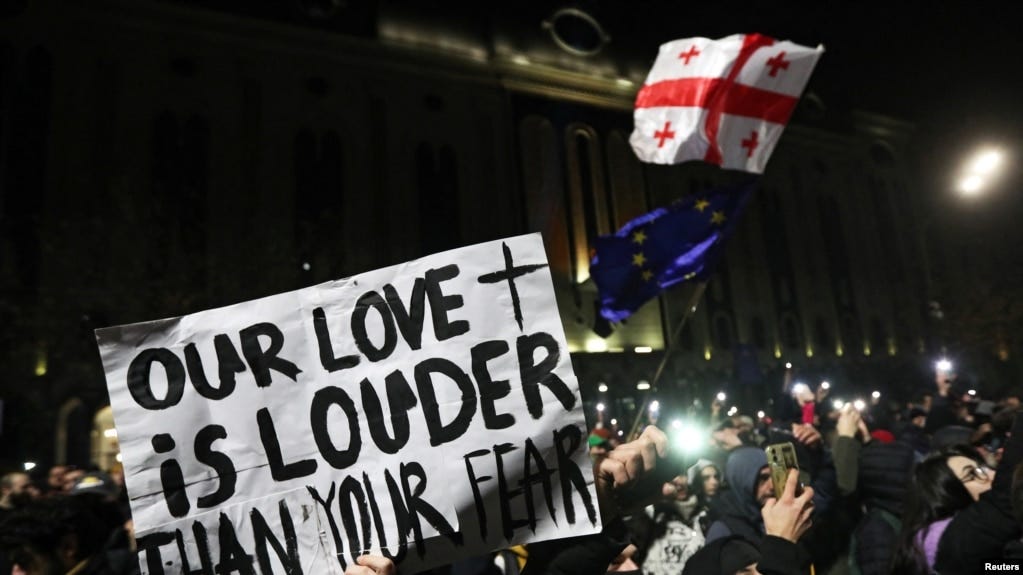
718, 218
638, 259
647, 275
701, 204
639, 237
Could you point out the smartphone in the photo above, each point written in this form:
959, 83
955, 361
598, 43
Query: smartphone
780, 458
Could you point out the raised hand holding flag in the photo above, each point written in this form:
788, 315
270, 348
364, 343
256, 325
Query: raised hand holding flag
725, 102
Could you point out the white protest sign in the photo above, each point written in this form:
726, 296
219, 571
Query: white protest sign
427, 411
283, 533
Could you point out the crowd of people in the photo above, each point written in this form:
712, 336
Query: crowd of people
69, 521
932, 486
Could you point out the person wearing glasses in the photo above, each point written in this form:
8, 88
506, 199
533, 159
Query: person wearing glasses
958, 513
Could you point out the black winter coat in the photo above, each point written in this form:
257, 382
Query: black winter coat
980, 532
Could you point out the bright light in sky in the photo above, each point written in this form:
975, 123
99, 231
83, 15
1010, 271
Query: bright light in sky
981, 168
602, 388
943, 365
876, 395
600, 407
986, 162
655, 406
971, 184
643, 385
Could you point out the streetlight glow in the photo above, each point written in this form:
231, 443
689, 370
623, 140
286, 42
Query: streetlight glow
980, 169
986, 162
602, 388
600, 407
943, 365
971, 184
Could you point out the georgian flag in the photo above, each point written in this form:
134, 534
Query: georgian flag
723, 101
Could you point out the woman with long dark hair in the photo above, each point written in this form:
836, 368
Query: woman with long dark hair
704, 479
958, 514
936, 495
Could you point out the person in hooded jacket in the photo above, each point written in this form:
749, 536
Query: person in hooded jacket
785, 521
750, 486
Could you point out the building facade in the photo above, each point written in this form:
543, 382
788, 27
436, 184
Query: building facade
160, 158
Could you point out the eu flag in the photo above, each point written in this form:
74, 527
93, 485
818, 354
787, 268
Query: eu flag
665, 247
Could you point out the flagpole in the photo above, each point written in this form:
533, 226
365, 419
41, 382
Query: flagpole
690, 307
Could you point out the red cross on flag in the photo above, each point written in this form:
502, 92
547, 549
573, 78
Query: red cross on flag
723, 101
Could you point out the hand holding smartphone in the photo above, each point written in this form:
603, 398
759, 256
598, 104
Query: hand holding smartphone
780, 458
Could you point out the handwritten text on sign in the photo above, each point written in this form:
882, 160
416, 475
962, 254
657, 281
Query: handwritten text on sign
425, 411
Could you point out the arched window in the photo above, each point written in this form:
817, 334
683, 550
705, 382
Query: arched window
878, 337
759, 333
784, 291
822, 334
439, 209
587, 204
790, 333
319, 165
104, 439
723, 331
686, 339
178, 215
882, 154
850, 330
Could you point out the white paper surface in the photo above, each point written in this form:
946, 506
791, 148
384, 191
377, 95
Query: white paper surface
234, 409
